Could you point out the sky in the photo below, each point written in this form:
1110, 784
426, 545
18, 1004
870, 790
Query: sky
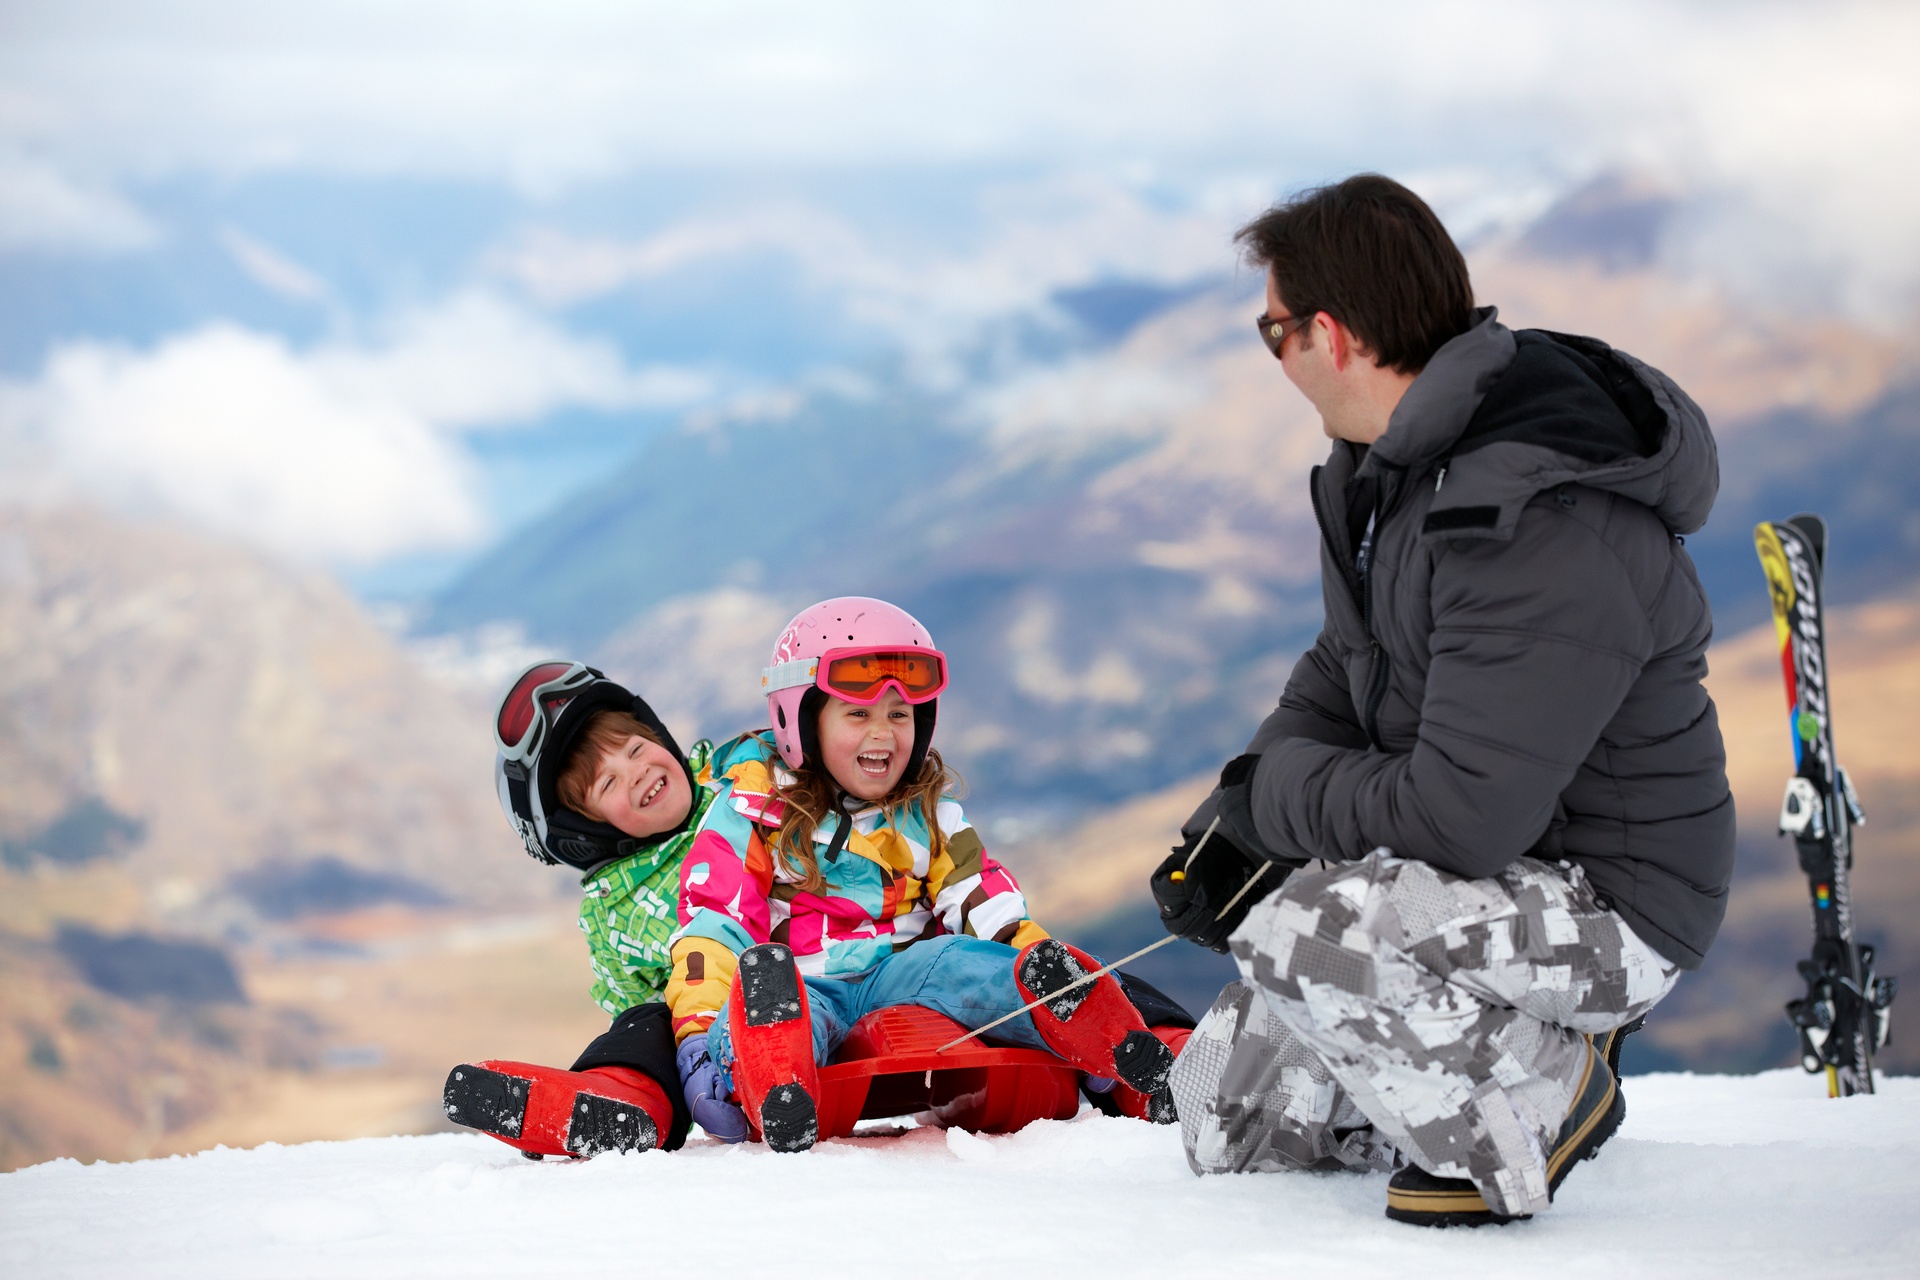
371, 285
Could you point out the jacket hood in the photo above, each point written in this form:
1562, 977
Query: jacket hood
1509, 414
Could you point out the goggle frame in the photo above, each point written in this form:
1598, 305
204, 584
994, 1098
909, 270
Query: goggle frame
817, 672
575, 677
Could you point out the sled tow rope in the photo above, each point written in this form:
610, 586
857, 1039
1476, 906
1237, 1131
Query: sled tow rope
1105, 969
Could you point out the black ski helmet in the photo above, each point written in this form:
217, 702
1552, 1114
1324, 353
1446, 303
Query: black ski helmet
538, 723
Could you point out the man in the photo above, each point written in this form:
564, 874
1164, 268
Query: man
1499, 745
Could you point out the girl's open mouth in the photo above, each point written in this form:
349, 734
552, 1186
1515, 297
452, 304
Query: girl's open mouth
653, 792
874, 763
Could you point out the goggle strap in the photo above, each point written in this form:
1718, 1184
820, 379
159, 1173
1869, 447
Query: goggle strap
789, 675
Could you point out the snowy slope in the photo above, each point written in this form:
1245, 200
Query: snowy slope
1712, 1176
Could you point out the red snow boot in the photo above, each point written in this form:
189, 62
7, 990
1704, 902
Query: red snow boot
1094, 1026
772, 1032
545, 1111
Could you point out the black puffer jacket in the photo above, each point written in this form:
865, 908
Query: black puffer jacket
1519, 671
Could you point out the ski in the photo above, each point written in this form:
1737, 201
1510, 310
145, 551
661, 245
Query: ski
1843, 1018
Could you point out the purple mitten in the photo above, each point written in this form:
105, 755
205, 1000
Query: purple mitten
706, 1092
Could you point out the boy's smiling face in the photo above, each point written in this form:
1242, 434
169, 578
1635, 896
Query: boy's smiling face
640, 789
866, 748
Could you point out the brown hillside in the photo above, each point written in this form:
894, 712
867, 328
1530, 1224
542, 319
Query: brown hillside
240, 714
239, 710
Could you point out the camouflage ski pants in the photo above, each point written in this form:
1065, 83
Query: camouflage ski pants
1391, 1011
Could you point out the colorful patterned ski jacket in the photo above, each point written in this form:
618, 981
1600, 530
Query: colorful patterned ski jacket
628, 913
885, 890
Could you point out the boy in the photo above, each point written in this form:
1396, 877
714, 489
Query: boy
588, 776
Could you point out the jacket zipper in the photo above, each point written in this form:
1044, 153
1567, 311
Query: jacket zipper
1363, 604
1382, 668
1377, 693
1326, 535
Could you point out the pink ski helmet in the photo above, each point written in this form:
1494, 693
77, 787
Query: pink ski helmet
853, 648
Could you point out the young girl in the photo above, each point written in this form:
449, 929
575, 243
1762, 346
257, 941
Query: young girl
849, 880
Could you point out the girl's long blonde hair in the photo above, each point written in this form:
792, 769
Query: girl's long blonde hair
813, 794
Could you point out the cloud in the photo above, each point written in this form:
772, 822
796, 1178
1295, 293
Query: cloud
475, 361
230, 428
42, 209
924, 287
273, 270
346, 452
1791, 122
440, 86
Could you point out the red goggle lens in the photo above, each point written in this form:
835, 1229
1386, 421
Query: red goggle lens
517, 709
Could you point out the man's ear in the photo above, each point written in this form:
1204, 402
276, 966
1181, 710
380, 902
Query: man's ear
1343, 345
1339, 340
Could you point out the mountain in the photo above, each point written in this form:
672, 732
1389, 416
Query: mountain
253, 880
1861, 471
1094, 583
1114, 544
238, 711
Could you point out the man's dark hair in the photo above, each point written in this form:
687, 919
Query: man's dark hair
1372, 255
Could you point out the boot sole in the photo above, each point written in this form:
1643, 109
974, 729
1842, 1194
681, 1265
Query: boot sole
769, 985
788, 1119
607, 1124
489, 1101
1143, 1062
1049, 966
1445, 1209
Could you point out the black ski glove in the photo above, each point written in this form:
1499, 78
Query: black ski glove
1191, 897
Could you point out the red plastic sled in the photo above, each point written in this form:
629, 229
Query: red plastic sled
889, 1067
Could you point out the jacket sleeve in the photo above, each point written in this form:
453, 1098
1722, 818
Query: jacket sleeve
973, 894
1535, 644
1316, 705
725, 905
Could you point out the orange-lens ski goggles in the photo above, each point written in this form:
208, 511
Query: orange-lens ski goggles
862, 676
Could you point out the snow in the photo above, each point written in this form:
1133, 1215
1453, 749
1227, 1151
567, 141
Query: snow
1746, 1176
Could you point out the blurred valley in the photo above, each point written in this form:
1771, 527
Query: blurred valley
252, 882
255, 885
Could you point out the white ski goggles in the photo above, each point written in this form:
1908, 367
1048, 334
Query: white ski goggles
533, 702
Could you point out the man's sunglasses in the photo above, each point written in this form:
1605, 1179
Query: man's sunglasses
1276, 332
